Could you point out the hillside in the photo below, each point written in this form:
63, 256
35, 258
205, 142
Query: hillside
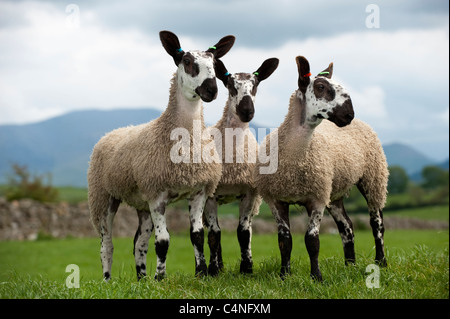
62, 145
410, 159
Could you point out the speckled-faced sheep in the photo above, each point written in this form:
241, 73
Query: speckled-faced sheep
238, 151
135, 164
318, 165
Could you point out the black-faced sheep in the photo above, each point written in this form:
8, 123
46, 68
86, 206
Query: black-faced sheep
318, 165
134, 164
238, 148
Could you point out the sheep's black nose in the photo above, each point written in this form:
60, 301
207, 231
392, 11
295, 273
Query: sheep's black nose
207, 90
342, 115
245, 109
350, 113
350, 116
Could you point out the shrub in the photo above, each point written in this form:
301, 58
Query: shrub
23, 185
434, 177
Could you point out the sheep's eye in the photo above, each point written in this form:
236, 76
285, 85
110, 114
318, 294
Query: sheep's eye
187, 62
320, 87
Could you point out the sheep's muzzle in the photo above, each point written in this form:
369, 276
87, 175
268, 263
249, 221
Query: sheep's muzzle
207, 90
245, 109
342, 115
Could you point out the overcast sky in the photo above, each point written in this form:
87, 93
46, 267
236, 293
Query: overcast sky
61, 56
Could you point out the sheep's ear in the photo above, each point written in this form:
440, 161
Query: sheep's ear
303, 73
328, 72
221, 71
172, 45
222, 47
266, 69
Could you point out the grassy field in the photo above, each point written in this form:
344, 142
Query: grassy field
418, 265
418, 268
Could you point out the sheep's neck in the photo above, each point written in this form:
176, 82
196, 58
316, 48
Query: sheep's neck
300, 139
298, 131
180, 111
230, 119
188, 111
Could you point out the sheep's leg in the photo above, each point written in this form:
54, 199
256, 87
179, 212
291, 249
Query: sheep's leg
244, 232
141, 239
345, 227
376, 222
107, 247
312, 242
280, 211
162, 238
214, 235
196, 206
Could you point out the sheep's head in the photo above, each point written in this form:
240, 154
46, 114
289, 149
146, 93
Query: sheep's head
196, 68
324, 97
242, 87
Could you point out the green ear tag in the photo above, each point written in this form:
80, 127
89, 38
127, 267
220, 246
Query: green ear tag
213, 48
255, 73
324, 72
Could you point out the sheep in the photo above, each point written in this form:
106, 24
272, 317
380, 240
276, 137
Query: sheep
238, 161
318, 165
134, 164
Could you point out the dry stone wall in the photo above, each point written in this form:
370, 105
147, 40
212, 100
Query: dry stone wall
27, 220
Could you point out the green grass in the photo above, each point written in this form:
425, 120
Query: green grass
418, 268
439, 212
71, 194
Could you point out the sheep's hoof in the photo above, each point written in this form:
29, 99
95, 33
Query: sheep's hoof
382, 262
201, 271
213, 269
141, 276
317, 276
350, 261
285, 271
246, 267
106, 276
159, 276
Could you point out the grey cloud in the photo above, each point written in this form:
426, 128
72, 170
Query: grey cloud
262, 24
255, 23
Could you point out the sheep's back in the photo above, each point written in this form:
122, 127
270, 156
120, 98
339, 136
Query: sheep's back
111, 161
301, 175
335, 159
155, 171
357, 157
134, 164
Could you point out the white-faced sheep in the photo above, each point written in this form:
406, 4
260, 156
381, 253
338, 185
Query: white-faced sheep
318, 165
238, 149
134, 164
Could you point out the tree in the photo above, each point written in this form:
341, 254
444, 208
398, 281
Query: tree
398, 180
434, 177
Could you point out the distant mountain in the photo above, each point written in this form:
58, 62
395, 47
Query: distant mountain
410, 159
63, 145
444, 164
